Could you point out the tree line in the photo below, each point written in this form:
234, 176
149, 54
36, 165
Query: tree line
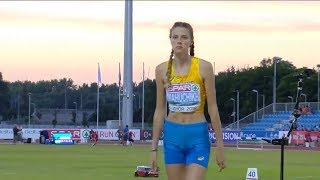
64, 94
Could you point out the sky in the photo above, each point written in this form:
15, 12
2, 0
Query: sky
67, 39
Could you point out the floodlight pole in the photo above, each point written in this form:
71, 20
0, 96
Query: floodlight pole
233, 111
238, 112
257, 104
29, 94
127, 114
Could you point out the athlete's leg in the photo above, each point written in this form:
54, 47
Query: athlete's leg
195, 172
197, 161
176, 171
174, 152
175, 161
198, 152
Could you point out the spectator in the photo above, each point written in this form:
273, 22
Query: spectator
93, 138
131, 138
91, 132
308, 109
120, 135
308, 137
20, 138
253, 137
125, 135
305, 109
15, 133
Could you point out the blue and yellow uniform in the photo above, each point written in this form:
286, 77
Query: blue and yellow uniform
186, 143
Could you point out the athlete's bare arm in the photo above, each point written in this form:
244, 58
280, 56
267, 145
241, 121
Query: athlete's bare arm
206, 71
159, 113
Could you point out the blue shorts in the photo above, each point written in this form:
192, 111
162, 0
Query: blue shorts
186, 143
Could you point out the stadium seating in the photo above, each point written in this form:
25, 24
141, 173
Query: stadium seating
280, 121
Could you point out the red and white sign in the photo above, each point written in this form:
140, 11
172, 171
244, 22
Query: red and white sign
299, 137
76, 133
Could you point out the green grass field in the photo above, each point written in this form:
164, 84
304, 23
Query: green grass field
113, 162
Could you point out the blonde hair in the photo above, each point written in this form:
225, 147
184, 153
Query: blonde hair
189, 27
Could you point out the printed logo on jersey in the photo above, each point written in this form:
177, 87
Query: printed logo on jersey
200, 158
183, 97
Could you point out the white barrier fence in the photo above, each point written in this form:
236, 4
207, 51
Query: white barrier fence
26, 133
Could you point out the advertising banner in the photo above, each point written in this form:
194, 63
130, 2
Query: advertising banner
315, 136
111, 134
298, 137
26, 133
227, 136
147, 135
76, 133
259, 134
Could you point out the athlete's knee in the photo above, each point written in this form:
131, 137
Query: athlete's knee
176, 171
195, 172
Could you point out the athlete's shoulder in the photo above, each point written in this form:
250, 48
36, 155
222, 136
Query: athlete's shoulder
162, 67
204, 63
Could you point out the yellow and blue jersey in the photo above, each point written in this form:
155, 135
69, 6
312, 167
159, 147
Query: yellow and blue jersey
186, 93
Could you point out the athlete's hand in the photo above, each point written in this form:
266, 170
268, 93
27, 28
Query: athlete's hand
220, 158
153, 160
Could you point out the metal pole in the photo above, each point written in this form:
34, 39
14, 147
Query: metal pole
263, 103
234, 111
29, 94
318, 85
275, 61
257, 107
119, 78
81, 101
18, 108
274, 85
238, 127
257, 103
290, 97
127, 117
65, 97
119, 106
99, 83
143, 97
98, 98
75, 120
